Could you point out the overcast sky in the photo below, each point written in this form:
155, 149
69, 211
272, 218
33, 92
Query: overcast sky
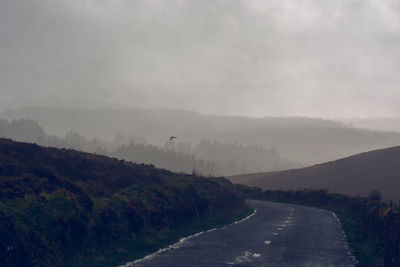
320, 58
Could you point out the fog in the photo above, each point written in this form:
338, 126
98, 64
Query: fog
289, 142
320, 58
121, 119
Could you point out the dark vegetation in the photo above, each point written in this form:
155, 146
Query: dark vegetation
358, 174
372, 226
68, 208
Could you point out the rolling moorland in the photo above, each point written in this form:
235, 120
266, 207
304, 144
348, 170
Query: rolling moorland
61, 207
354, 175
303, 140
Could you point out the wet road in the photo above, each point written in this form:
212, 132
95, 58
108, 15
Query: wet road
276, 235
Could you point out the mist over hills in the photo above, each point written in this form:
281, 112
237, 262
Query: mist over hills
357, 174
304, 140
96, 89
389, 124
205, 157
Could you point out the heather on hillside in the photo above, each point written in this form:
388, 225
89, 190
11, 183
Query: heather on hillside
63, 207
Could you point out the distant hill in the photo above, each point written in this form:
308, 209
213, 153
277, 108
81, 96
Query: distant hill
388, 124
358, 174
62, 207
206, 157
304, 140
22, 129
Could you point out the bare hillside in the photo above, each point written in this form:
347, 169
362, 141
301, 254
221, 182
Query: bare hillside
358, 174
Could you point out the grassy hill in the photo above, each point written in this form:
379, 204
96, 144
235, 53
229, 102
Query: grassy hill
358, 174
61, 207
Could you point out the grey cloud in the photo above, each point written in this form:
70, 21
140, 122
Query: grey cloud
256, 58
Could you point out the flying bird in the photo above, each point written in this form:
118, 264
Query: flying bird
172, 138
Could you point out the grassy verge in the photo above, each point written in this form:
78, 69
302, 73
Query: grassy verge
136, 250
366, 250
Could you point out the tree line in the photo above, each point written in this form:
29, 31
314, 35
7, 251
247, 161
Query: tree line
211, 158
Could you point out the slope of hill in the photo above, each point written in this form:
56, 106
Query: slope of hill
388, 124
303, 140
61, 207
358, 174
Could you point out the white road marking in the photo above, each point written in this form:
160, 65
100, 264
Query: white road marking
183, 242
267, 242
245, 258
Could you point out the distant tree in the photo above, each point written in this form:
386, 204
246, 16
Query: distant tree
375, 195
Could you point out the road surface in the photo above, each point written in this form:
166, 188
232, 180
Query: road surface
276, 235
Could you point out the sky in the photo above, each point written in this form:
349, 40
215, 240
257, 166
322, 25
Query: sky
317, 58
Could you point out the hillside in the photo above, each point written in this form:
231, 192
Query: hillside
61, 207
304, 140
206, 157
388, 124
358, 174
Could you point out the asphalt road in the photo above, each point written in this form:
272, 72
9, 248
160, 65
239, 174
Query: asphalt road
276, 235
